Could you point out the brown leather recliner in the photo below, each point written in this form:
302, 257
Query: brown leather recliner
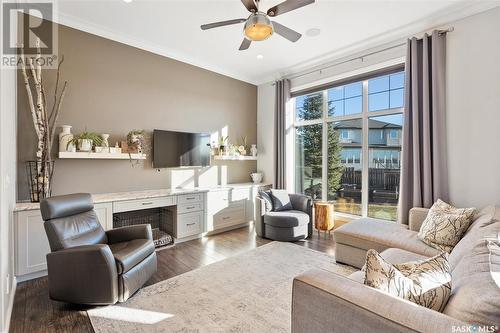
88, 265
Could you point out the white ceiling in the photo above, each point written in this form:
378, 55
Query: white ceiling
172, 28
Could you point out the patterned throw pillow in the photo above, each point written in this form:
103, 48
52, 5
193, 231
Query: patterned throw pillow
445, 225
426, 283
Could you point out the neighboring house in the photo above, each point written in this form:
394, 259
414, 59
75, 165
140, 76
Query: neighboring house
384, 141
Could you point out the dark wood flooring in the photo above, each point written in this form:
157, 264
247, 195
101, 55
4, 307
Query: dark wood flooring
34, 312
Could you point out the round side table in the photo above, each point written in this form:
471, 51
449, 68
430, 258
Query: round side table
323, 217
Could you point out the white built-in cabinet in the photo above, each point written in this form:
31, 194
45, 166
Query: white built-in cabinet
192, 215
32, 245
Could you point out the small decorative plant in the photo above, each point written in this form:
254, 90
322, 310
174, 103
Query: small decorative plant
222, 144
136, 140
243, 146
86, 141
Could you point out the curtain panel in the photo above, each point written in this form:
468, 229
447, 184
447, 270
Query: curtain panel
282, 98
424, 175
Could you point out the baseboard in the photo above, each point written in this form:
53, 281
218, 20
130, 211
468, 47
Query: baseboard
31, 276
10, 305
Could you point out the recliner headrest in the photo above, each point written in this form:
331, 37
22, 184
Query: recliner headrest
66, 205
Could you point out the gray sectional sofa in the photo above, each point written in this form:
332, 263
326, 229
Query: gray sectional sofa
323, 301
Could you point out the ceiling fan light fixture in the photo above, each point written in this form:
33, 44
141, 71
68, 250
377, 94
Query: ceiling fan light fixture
258, 27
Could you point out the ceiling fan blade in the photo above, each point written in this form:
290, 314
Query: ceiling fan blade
288, 33
221, 24
287, 6
250, 5
245, 44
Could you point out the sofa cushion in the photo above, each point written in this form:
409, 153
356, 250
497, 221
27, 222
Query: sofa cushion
128, 254
445, 225
286, 219
367, 233
266, 196
426, 283
392, 255
475, 294
469, 240
281, 200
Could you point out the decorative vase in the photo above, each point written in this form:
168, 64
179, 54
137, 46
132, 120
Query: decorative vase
105, 143
256, 177
253, 150
64, 137
85, 144
39, 179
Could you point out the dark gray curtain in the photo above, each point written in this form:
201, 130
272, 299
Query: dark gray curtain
282, 97
424, 175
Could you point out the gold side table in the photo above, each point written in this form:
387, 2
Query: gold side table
323, 217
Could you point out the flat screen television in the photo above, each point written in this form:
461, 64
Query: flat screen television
178, 149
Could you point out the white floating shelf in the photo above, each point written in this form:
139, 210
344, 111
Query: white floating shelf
235, 158
101, 156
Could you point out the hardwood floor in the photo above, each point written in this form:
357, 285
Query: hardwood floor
35, 312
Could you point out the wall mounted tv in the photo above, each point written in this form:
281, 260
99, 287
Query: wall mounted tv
178, 149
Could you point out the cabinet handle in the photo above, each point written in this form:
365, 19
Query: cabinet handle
226, 217
191, 207
190, 198
147, 203
190, 224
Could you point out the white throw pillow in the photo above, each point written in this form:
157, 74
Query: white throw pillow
445, 225
426, 283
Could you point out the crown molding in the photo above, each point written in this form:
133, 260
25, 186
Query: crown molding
452, 13
458, 11
101, 31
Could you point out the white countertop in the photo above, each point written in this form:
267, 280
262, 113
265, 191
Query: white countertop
146, 194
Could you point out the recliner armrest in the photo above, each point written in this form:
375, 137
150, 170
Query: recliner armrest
83, 275
124, 234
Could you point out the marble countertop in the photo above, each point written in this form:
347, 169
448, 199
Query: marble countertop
146, 194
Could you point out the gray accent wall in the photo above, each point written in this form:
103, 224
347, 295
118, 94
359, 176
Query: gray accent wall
114, 88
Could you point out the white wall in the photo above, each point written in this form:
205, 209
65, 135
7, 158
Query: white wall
473, 110
7, 192
7, 189
473, 107
265, 130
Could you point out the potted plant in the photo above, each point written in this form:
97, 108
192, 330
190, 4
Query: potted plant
222, 144
136, 141
86, 141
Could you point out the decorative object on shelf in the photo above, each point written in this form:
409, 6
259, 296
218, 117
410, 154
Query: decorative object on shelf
116, 149
105, 142
256, 177
86, 140
253, 150
44, 119
243, 146
64, 137
222, 145
135, 141
39, 183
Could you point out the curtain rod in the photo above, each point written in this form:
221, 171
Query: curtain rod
291, 77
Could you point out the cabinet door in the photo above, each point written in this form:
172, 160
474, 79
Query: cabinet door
104, 213
32, 244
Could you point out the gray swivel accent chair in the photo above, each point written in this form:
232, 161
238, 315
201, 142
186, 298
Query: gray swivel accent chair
282, 216
88, 265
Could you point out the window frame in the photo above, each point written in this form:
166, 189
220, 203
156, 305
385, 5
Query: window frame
326, 119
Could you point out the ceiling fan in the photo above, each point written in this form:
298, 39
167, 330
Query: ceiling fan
258, 26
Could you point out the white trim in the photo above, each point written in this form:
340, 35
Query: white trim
457, 11
10, 304
359, 71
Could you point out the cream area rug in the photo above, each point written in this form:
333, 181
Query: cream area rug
251, 292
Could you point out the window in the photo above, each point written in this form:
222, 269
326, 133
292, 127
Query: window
348, 145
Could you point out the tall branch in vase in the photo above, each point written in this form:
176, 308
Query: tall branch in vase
44, 121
